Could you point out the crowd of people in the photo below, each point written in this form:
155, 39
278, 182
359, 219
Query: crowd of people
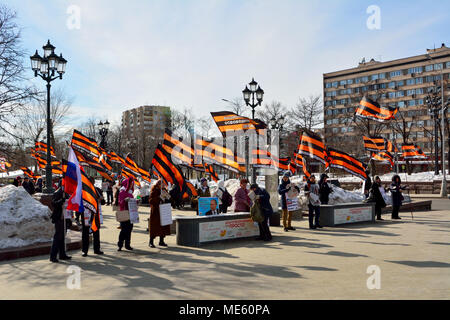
119, 193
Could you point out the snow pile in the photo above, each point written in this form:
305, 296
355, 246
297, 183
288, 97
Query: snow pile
414, 177
340, 195
23, 220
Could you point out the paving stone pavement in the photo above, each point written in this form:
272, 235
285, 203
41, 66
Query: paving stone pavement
331, 263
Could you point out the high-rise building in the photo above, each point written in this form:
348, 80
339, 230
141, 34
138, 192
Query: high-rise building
142, 129
403, 83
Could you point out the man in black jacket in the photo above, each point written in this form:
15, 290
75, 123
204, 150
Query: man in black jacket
59, 197
28, 185
264, 200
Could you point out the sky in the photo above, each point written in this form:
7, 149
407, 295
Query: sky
194, 53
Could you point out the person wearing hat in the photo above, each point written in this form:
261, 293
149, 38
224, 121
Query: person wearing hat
242, 201
367, 184
59, 199
203, 192
312, 192
263, 197
324, 189
376, 195
28, 185
17, 181
283, 189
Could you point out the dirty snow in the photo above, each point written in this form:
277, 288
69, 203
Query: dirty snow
23, 220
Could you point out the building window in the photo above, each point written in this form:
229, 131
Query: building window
419, 91
391, 95
400, 83
415, 70
328, 85
400, 94
411, 103
401, 104
375, 77
429, 67
447, 65
438, 66
334, 84
382, 75
419, 80
392, 84
342, 82
395, 73
411, 92
365, 79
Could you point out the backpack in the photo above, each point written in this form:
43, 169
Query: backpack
256, 212
227, 199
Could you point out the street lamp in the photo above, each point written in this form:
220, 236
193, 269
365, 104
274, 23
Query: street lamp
46, 67
250, 94
443, 110
103, 131
433, 102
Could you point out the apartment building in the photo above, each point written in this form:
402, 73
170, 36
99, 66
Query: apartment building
403, 83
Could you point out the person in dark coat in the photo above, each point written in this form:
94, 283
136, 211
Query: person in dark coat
58, 246
367, 184
264, 200
156, 230
39, 185
28, 185
324, 189
377, 197
312, 192
203, 192
397, 197
17, 181
283, 189
109, 194
87, 227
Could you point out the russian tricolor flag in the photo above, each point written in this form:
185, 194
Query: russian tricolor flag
73, 184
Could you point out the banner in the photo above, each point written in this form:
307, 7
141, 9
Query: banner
370, 109
231, 124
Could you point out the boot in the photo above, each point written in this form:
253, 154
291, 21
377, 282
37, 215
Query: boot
151, 244
162, 243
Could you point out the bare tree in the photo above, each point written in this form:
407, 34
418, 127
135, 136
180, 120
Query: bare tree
15, 91
237, 105
182, 122
308, 113
274, 110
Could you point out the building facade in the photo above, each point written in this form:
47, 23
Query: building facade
403, 83
142, 129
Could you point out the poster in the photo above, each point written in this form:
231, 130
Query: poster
227, 229
165, 214
133, 209
292, 204
100, 213
208, 206
351, 215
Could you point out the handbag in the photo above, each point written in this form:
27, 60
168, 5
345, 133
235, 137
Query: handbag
256, 212
122, 215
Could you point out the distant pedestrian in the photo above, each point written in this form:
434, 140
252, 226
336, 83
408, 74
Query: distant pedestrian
58, 201
397, 196
28, 185
324, 189
241, 199
263, 197
17, 181
225, 199
376, 196
283, 189
367, 184
203, 192
39, 185
312, 192
109, 194
157, 194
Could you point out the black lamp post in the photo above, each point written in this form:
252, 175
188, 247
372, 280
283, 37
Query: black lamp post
46, 67
103, 132
255, 91
251, 93
433, 101
278, 124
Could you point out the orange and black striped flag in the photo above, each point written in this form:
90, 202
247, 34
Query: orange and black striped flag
207, 151
412, 152
190, 191
131, 167
231, 124
168, 171
305, 169
41, 148
383, 157
311, 146
28, 173
209, 169
145, 175
370, 109
390, 147
85, 145
376, 144
262, 158
114, 157
181, 152
85, 160
292, 167
298, 159
341, 160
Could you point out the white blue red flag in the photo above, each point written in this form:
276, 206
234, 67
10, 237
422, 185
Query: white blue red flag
73, 184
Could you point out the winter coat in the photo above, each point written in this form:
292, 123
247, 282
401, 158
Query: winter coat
242, 201
29, 186
367, 185
324, 192
396, 194
58, 200
155, 228
264, 201
125, 193
283, 189
376, 196
312, 188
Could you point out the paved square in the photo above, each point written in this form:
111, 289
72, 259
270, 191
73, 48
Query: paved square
413, 256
